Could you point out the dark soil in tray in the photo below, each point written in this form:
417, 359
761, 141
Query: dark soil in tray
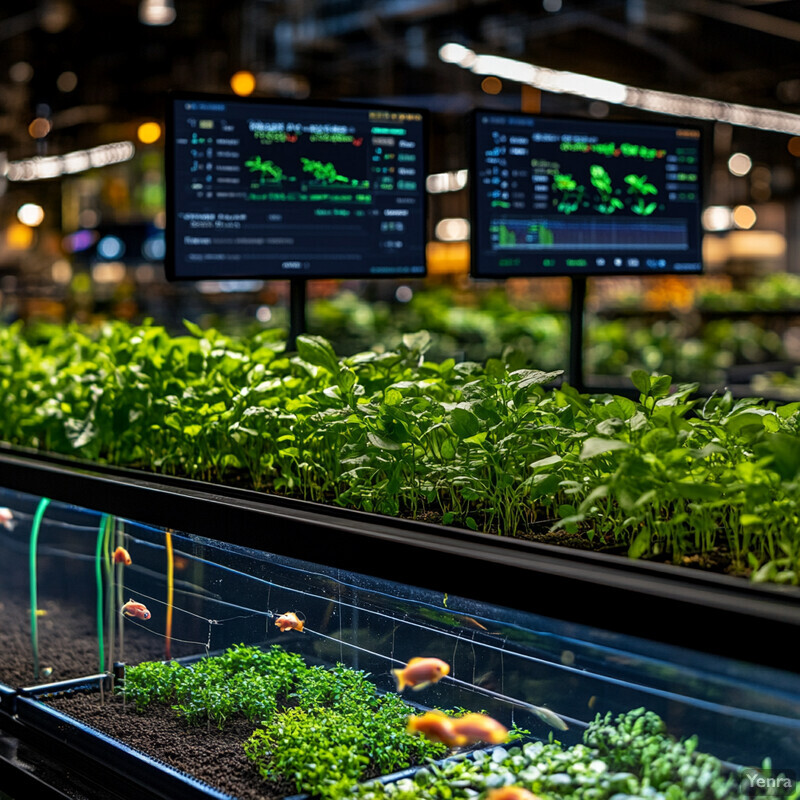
67, 642
214, 756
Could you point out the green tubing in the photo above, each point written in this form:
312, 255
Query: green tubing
37, 521
98, 571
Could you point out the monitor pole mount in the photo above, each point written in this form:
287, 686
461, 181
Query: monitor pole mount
297, 310
576, 318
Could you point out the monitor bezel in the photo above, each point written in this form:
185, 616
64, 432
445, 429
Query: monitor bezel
560, 272
177, 96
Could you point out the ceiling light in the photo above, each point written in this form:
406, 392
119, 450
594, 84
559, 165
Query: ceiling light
30, 214
717, 218
452, 229
740, 164
157, 12
32, 169
592, 88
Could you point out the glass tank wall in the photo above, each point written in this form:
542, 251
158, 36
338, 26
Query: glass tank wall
71, 608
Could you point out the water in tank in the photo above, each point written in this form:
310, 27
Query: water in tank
268, 676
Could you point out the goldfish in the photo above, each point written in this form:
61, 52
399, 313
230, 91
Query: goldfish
7, 518
134, 609
511, 793
122, 556
420, 672
473, 728
289, 622
435, 726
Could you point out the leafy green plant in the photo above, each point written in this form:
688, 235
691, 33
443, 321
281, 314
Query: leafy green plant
487, 446
630, 756
320, 729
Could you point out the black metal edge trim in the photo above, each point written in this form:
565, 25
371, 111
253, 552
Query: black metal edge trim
698, 612
161, 779
355, 518
19, 782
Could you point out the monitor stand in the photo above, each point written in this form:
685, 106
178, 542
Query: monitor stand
576, 314
297, 311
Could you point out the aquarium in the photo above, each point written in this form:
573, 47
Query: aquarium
248, 673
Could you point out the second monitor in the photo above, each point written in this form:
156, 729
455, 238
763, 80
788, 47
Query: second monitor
557, 196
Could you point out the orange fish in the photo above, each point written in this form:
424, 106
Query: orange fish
122, 556
435, 726
289, 622
7, 518
473, 728
134, 609
511, 793
420, 672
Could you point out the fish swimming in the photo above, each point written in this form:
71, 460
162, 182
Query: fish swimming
511, 793
7, 518
473, 728
134, 609
548, 716
289, 622
122, 556
434, 726
420, 672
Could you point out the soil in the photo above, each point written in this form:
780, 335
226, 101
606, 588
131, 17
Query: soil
209, 754
214, 756
67, 643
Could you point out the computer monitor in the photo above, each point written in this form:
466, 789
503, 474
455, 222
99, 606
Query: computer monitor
258, 188
558, 196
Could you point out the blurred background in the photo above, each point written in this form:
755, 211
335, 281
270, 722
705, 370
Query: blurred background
82, 95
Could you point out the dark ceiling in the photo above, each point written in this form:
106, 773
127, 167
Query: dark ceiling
746, 52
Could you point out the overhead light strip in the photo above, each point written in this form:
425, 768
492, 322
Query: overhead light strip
41, 167
562, 82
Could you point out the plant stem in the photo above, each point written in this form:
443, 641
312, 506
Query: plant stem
170, 593
98, 573
37, 521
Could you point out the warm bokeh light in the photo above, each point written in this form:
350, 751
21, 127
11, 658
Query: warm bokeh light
61, 271
67, 81
30, 214
157, 12
744, 217
19, 236
452, 229
403, 294
717, 218
243, 83
39, 128
740, 164
21, 72
492, 85
793, 146
108, 272
149, 132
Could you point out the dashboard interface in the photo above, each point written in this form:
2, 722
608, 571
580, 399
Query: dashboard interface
571, 196
276, 190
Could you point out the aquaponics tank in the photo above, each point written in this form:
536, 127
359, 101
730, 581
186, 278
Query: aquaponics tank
615, 679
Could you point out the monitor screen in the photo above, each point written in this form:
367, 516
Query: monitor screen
257, 188
572, 197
